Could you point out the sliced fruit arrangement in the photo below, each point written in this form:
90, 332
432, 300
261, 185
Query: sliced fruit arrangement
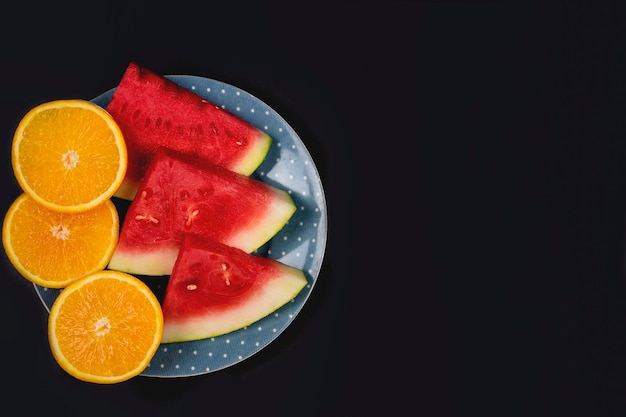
215, 289
69, 155
54, 249
153, 111
105, 327
180, 195
195, 215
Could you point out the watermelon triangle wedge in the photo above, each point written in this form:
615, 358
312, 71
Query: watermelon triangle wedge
215, 289
180, 195
153, 111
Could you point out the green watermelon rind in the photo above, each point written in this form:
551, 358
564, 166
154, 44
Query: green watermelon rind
255, 236
256, 155
157, 262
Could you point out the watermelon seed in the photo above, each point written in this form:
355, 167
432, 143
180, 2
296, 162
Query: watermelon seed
147, 217
204, 192
146, 193
225, 266
191, 216
195, 268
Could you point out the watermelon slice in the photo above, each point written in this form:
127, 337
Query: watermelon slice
180, 195
215, 289
153, 111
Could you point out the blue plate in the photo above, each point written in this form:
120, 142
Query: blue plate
301, 243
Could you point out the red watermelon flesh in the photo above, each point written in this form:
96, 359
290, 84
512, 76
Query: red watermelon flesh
180, 195
215, 289
153, 111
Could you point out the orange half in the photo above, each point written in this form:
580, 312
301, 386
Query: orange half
69, 155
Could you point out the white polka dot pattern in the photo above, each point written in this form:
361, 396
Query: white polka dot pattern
301, 243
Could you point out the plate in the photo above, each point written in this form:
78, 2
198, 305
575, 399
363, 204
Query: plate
301, 243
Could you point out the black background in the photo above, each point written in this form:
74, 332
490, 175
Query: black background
474, 160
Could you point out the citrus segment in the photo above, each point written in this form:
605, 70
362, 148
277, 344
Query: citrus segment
69, 155
105, 328
52, 248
